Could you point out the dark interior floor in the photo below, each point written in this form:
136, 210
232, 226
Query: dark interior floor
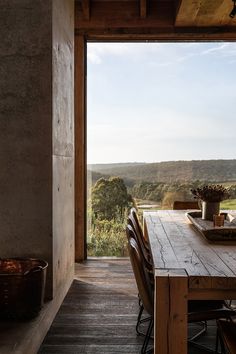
99, 313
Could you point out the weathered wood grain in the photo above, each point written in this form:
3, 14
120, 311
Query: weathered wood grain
152, 19
99, 313
204, 13
176, 244
227, 232
170, 326
202, 270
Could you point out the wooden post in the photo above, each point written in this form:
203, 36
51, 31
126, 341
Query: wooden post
80, 149
170, 312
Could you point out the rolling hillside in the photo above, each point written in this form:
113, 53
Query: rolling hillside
169, 172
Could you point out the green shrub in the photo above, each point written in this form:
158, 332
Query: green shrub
107, 238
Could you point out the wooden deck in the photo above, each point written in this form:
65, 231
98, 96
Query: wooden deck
99, 313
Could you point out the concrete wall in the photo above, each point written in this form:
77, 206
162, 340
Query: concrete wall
63, 141
36, 134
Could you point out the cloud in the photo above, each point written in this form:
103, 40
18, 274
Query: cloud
225, 50
159, 53
217, 48
97, 51
180, 110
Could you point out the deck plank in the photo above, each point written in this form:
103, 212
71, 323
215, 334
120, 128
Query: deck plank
99, 313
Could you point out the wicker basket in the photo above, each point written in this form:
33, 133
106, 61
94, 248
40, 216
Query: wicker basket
22, 283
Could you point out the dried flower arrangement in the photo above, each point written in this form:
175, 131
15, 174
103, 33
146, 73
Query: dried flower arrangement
211, 193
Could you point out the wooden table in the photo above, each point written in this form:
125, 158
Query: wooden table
187, 267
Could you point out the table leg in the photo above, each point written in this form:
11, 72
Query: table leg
170, 312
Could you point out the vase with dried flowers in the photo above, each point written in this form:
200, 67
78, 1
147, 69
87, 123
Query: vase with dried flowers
210, 197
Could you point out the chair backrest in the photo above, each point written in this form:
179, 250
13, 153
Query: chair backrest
181, 205
133, 222
141, 275
136, 224
134, 215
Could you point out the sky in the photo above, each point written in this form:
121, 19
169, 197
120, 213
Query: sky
152, 102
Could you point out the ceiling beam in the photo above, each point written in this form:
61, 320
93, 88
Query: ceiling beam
187, 12
86, 9
143, 8
205, 13
120, 13
122, 19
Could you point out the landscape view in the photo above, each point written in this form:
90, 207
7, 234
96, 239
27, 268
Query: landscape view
116, 187
164, 105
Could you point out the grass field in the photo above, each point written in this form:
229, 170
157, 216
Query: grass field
228, 204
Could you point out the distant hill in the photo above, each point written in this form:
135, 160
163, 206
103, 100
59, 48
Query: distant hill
102, 167
169, 172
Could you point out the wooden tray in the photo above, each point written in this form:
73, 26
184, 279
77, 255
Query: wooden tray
224, 233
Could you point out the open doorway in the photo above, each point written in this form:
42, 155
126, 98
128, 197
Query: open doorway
156, 128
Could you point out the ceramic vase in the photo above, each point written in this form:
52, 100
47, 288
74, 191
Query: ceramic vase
209, 209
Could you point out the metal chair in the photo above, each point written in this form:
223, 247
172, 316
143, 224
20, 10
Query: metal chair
182, 205
146, 259
226, 333
143, 283
198, 310
201, 311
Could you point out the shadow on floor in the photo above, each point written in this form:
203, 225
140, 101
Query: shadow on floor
99, 314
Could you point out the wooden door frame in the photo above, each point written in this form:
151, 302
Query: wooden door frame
81, 116
80, 148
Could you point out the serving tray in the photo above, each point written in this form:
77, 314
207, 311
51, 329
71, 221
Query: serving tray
206, 228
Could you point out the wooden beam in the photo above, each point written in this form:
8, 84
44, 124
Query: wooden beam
86, 9
219, 15
80, 149
187, 12
170, 33
143, 8
170, 311
204, 13
122, 15
119, 14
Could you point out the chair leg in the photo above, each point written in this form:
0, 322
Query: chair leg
147, 337
202, 330
139, 301
198, 345
138, 320
217, 340
222, 345
202, 347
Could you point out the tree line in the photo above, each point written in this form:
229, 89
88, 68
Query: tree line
166, 193
111, 200
169, 171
